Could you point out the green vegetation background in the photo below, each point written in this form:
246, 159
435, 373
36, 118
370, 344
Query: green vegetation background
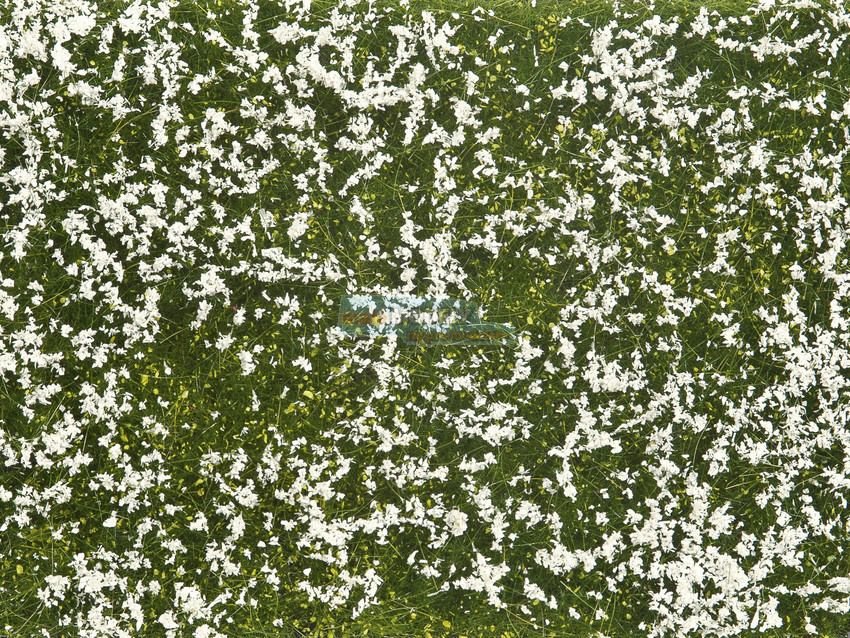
524, 292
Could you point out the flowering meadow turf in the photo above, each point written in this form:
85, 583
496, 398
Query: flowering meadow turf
653, 198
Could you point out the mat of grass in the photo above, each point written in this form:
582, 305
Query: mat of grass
653, 197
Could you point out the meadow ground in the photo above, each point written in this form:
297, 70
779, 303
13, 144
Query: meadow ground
652, 196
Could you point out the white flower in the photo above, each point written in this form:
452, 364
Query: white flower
579, 92
31, 44
700, 26
840, 584
167, 620
484, 579
299, 226
224, 342
191, 601
199, 524
304, 363
236, 527
205, 631
559, 560
247, 361
111, 521
533, 591
62, 60
245, 496
457, 522
81, 25
285, 33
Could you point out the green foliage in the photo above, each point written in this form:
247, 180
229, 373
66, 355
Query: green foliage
180, 410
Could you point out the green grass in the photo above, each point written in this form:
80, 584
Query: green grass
597, 237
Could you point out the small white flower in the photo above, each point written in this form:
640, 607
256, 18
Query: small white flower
299, 226
533, 591
303, 362
457, 522
224, 342
199, 524
167, 620
840, 584
247, 361
62, 60
81, 25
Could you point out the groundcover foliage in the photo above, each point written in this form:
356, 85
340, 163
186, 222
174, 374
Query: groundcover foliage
653, 199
